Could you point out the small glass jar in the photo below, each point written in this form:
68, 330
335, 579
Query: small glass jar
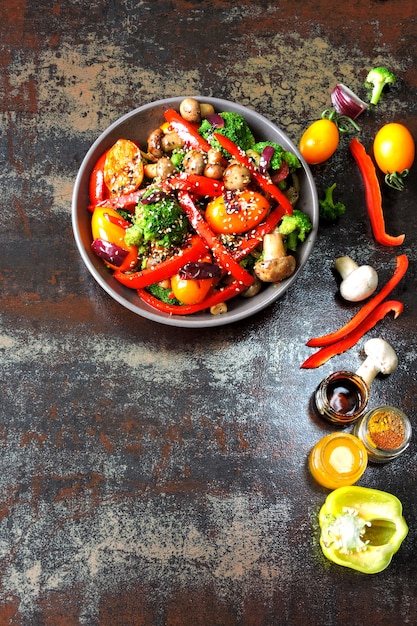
342, 397
385, 432
338, 460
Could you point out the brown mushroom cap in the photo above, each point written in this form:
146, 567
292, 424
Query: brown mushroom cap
275, 270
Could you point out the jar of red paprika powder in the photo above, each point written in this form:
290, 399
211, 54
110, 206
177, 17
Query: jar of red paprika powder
385, 432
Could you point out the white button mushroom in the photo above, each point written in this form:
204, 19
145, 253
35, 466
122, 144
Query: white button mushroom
380, 358
358, 283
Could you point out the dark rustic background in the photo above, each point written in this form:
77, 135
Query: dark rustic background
157, 476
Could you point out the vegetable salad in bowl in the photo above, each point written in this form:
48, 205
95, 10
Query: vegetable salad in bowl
194, 212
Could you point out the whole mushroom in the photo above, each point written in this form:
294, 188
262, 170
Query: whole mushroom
236, 177
358, 282
276, 264
380, 358
190, 110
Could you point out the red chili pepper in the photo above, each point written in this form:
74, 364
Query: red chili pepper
373, 195
220, 252
222, 295
254, 237
400, 270
200, 185
188, 133
165, 269
326, 353
263, 182
97, 186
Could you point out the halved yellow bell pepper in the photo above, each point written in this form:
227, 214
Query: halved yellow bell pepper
361, 528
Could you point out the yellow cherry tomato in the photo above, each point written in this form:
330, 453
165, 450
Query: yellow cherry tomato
123, 167
190, 290
394, 148
106, 224
319, 141
251, 208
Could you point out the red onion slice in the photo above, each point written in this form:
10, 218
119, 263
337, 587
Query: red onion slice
200, 270
266, 156
215, 120
346, 102
109, 252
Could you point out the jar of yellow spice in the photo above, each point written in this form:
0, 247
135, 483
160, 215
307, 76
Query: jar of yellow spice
385, 432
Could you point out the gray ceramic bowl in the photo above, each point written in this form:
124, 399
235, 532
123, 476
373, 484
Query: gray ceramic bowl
137, 125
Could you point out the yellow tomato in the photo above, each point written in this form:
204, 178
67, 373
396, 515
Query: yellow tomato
394, 148
107, 225
251, 208
190, 290
319, 141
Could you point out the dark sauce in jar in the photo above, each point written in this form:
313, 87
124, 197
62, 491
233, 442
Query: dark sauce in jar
344, 396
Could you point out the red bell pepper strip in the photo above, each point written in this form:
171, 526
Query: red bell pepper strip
200, 185
165, 269
118, 221
373, 195
187, 131
126, 201
220, 252
97, 186
400, 270
217, 297
327, 352
264, 183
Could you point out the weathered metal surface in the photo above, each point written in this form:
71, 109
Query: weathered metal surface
151, 475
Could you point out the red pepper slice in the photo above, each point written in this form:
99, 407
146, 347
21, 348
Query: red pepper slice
263, 182
400, 270
126, 201
373, 195
118, 221
194, 183
188, 133
222, 295
97, 186
220, 252
327, 352
165, 269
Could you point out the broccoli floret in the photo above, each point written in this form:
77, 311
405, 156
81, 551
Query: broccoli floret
329, 210
235, 128
160, 223
279, 155
295, 228
177, 157
162, 293
376, 80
